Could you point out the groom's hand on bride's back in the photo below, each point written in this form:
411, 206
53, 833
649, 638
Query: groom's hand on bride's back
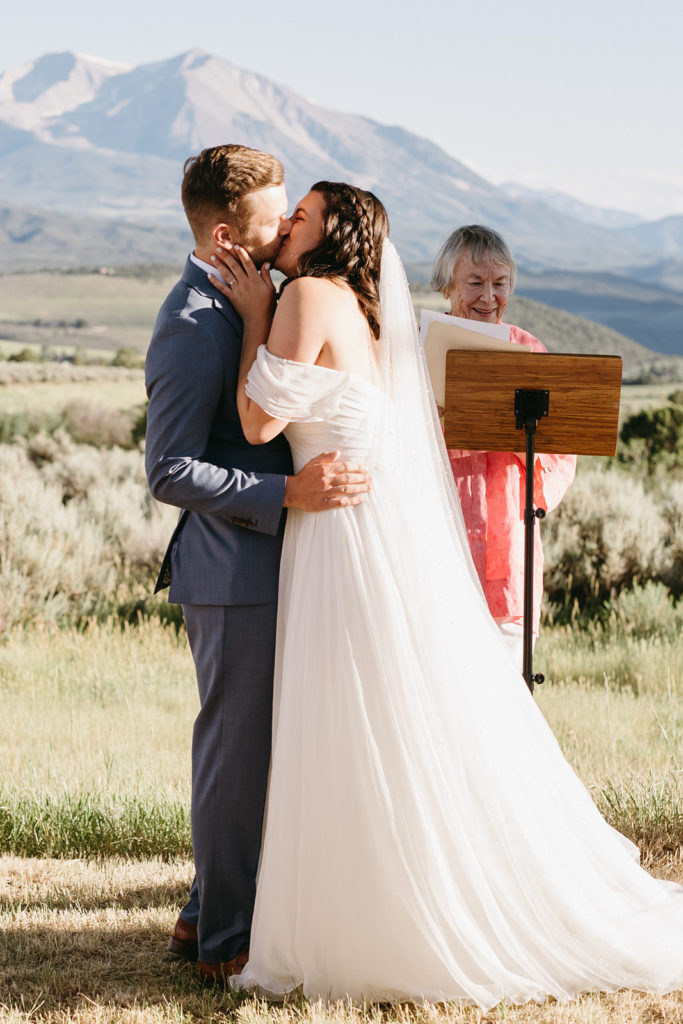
327, 481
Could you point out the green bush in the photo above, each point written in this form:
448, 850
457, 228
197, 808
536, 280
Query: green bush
99, 426
653, 437
613, 531
644, 612
84, 422
128, 357
608, 532
140, 425
81, 357
25, 355
26, 425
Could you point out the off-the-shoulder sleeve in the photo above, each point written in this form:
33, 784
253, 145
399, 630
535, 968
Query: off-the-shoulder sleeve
293, 391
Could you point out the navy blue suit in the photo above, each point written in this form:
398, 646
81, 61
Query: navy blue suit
222, 566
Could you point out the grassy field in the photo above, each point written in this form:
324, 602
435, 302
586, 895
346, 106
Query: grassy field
52, 396
95, 734
114, 311
96, 729
116, 393
104, 710
95, 850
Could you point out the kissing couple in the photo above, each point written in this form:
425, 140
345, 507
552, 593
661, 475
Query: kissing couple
414, 831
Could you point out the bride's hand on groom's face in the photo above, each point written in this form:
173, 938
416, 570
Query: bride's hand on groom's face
251, 291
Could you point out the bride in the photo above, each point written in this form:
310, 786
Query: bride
424, 836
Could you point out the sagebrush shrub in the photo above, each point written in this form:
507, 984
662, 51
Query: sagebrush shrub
608, 532
80, 535
97, 425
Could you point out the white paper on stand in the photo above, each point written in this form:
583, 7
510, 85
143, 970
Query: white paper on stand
441, 332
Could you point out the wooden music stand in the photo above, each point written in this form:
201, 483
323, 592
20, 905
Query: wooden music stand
566, 404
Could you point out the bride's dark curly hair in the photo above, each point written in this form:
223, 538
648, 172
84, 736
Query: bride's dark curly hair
355, 225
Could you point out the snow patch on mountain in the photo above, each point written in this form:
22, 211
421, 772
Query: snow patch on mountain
51, 86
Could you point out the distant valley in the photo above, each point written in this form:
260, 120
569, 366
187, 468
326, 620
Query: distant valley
650, 315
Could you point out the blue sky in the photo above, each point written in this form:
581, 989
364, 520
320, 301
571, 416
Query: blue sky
583, 97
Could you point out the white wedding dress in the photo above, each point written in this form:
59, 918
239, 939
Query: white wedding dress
425, 837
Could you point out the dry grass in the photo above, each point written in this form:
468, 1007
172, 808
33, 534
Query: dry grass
86, 941
107, 387
106, 710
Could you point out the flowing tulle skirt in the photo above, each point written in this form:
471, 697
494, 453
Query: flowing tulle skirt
425, 837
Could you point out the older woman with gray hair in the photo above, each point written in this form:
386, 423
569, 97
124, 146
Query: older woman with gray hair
476, 273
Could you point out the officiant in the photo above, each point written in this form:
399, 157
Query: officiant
475, 272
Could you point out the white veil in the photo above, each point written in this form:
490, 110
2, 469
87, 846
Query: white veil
419, 454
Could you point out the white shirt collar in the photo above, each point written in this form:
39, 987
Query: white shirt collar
208, 268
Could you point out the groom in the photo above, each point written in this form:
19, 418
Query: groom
222, 562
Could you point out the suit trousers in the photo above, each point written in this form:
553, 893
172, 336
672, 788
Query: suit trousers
233, 648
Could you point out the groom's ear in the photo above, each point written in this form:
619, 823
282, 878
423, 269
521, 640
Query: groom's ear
223, 233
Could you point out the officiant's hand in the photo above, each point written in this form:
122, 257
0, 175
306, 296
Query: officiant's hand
250, 291
327, 481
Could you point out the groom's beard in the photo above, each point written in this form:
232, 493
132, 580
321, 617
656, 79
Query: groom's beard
263, 253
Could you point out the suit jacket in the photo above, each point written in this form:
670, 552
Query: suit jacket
226, 546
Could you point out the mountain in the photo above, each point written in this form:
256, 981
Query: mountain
664, 236
566, 332
91, 156
33, 239
648, 313
81, 134
52, 85
589, 214
665, 274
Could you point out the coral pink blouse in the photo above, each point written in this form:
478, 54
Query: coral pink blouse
491, 486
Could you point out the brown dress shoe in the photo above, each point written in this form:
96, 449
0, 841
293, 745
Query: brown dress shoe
218, 974
184, 941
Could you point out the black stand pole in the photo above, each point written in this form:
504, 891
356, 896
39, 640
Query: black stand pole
530, 406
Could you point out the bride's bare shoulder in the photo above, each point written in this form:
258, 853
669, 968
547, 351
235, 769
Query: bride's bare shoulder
304, 312
318, 320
